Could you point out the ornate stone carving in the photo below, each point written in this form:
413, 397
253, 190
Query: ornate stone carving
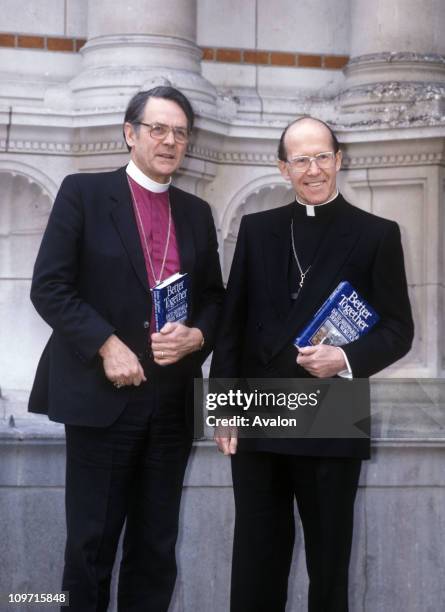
400, 88
399, 56
375, 161
203, 153
392, 105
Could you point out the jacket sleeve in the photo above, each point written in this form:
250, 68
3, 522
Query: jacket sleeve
392, 336
54, 289
227, 355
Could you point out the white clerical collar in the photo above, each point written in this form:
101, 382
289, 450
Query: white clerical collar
310, 209
145, 181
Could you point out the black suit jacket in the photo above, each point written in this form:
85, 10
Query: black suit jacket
259, 325
90, 281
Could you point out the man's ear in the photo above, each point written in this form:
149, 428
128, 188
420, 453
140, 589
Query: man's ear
284, 169
129, 133
338, 160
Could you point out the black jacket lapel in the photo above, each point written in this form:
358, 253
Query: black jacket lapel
183, 229
322, 278
276, 258
125, 222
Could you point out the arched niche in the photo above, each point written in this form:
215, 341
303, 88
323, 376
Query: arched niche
273, 194
25, 204
24, 210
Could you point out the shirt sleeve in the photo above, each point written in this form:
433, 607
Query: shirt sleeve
347, 372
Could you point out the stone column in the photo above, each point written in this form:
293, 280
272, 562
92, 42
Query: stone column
397, 68
139, 44
391, 119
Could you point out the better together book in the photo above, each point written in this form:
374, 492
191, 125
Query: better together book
344, 317
170, 299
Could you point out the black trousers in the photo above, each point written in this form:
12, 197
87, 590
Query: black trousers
265, 486
133, 471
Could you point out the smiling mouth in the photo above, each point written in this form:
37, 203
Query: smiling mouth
315, 184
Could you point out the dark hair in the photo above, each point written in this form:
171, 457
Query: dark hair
282, 155
136, 106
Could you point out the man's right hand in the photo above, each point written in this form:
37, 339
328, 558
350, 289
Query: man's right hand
226, 439
121, 365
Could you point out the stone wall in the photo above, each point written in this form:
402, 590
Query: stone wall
398, 559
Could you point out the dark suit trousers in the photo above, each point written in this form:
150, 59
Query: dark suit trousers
131, 470
265, 486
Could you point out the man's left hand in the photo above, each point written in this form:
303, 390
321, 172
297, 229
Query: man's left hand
174, 342
322, 361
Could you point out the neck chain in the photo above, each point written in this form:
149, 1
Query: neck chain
147, 250
300, 269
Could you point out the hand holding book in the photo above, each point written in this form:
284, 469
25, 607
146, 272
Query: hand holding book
321, 361
344, 317
174, 342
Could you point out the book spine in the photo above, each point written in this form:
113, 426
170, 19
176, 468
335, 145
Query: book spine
157, 302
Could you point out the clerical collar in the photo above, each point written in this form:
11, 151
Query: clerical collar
310, 209
145, 181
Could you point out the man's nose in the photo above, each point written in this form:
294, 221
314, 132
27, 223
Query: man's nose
170, 138
313, 167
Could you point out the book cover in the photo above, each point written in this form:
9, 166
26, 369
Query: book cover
170, 299
342, 318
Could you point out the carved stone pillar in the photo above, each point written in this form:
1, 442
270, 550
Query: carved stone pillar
391, 118
137, 45
396, 74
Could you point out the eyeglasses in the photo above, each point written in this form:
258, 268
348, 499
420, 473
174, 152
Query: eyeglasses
301, 163
159, 131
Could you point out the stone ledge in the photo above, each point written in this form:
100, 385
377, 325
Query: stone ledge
39, 461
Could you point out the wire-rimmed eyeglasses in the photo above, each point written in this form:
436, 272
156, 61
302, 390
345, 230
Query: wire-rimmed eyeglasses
159, 131
302, 163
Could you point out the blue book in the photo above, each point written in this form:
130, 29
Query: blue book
170, 299
343, 318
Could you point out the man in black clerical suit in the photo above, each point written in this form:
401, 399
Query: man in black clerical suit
122, 390
287, 262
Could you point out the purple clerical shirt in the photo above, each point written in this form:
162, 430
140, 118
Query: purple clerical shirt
153, 211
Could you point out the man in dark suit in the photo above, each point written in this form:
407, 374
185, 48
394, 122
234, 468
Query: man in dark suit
123, 390
287, 262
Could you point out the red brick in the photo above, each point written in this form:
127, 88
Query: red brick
335, 62
282, 59
60, 44
7, 40
309, 61
31, 42
228, 55
256, 57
